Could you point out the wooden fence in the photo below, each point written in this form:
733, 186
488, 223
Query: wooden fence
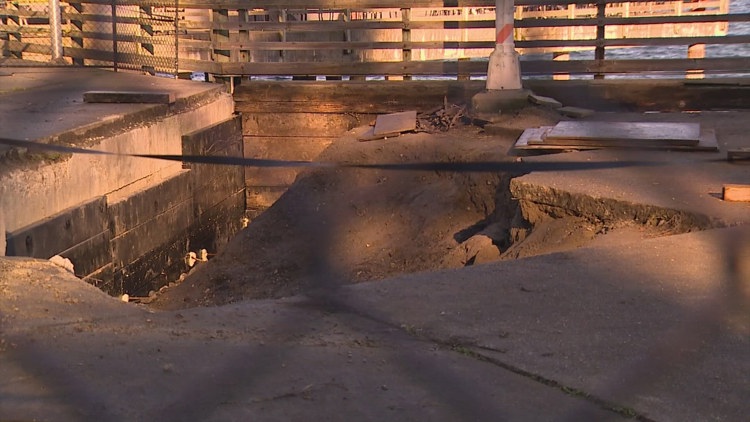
361, 38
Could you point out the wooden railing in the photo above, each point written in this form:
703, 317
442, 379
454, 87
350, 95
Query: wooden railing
362, 38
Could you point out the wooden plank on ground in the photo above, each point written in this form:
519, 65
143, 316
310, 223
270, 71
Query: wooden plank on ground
736, 193
740, 154
534, 139
532, 136
395, 123
300, 124
141, 97
624, 134
369, 135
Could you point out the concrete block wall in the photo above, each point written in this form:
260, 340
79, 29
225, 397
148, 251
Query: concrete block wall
134, 239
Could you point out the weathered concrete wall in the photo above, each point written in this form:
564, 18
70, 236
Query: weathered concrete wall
135, 219
30, 194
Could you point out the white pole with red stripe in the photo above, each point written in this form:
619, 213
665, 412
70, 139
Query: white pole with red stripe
504, 71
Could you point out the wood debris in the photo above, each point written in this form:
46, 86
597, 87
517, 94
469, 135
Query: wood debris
440, 119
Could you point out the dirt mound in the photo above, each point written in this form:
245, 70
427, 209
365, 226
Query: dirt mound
365, 224
351, 225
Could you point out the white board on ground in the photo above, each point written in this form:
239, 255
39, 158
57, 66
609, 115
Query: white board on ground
601, 133
535, 139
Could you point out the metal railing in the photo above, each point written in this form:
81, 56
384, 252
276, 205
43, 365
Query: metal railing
360, 38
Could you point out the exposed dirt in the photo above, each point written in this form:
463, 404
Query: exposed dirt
361, 225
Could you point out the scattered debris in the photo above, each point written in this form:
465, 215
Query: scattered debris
441, 119
63, 262
736, 193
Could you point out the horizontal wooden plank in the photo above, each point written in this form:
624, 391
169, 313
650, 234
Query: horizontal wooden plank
530, 67
60, 231
129, 209
139, 241
636, 42
139, 97
218, 224
305, 4
740, 154
625, 132
633, 20
533, 139
488, 44
350, 45
280, 148
90, 255
261, 197
364, 25
366, 97
305, 148
298, 124
343, 4
736, 193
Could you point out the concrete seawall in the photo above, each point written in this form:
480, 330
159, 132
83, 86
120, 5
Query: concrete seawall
126, 223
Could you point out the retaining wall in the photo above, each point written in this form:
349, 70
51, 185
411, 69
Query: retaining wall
127, 223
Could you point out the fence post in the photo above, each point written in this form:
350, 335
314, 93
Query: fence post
77, 24
4, 38
696, 51
55, 30
244, 35
177, 39
601, 7
114, 36
406, 38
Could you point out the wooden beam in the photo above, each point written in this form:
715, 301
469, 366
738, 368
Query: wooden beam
741, 154
140, 97
736, 193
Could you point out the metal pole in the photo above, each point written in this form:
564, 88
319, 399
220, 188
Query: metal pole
504, 71
55, 29
113, 9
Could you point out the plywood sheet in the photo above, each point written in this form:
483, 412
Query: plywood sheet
395, 122
532, 136
624, 134
534, 139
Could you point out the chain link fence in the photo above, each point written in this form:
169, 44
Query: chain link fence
121, 34
24, 30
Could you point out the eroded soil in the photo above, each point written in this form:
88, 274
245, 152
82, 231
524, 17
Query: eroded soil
349, 225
